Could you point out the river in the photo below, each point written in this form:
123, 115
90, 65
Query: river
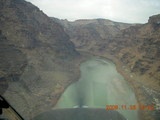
99, 85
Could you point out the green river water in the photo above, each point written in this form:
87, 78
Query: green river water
99, 85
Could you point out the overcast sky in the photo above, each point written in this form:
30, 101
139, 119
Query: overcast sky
130, 11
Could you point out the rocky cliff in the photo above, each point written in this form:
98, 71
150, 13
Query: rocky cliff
87, 33
37, 59
135, 45
138, 49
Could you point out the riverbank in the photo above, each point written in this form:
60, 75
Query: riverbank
146, 94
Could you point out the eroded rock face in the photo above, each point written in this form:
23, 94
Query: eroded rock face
135, 45
27, 27
36, 58
13, 62
141, 49
86, 34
